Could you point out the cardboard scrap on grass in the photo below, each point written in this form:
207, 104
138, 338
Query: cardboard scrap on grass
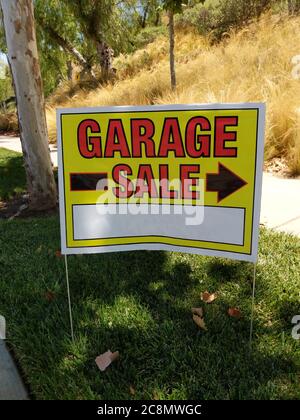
105, 359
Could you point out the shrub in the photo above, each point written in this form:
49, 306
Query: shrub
148, 35
237, 13
8, 122
199, 18
221, 16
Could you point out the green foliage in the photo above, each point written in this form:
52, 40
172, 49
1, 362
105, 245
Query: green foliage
174, 5
197, 18
3, 48
53, 58
177, 6
147, 35
125, 26
81, 24
12, 174
154, 12
218, 17
97, 18
236, 13
6, 88
140, 304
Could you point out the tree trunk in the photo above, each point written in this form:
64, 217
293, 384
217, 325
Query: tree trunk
157, 18
67, 46
105, 54
70, 70
144, 19
23, 58
172, 46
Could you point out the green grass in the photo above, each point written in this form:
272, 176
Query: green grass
12, 174
139, 303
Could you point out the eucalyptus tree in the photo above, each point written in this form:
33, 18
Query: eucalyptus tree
22, 52
97, 20
172, 7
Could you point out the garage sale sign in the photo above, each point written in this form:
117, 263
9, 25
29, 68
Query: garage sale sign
183, 177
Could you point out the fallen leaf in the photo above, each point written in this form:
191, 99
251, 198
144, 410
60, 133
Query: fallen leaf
58, 254
105, 359
200, 322
234, 312
39, 249
208, 297
198, 311
131, 390
49, 296
156, 395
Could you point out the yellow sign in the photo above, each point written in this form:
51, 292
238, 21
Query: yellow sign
182, 177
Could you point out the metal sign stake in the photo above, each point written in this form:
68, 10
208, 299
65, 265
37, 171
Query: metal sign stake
69, 299
252, 308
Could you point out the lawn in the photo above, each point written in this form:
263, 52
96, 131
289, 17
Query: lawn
140, 304
12, 174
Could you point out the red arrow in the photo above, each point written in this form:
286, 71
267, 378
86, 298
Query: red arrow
225, 182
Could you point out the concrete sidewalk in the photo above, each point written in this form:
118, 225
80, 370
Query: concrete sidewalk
280, 207
14, 143
11, 385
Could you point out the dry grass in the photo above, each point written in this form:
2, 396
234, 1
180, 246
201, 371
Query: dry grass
251, 65
8, 121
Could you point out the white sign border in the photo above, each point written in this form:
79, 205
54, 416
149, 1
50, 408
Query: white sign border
158, 246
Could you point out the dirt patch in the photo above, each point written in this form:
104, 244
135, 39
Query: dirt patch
278, 167
9, 133
8, 123
17, 207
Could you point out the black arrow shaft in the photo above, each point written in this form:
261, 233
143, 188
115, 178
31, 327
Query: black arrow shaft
224, 183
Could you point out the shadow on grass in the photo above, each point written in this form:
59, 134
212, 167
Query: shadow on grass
12, 174
163, 355
140, 304
225, 271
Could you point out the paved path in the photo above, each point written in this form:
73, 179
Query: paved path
13, 143
11, 386
280, 208
280, 196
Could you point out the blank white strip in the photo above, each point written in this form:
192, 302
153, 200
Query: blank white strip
200, 223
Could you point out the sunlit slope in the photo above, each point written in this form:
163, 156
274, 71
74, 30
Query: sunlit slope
254, 64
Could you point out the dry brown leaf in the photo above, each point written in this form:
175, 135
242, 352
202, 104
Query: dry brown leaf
105, 359
156, 396
198, 311
58, 254
39, 249
208, 297
234, 312
131, 390
49, 296
200, 322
